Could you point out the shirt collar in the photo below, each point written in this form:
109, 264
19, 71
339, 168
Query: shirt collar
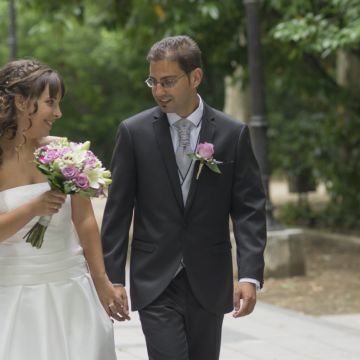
194, 117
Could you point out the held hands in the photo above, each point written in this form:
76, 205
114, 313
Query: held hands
119, 308
113, 299
244, 299
48, 203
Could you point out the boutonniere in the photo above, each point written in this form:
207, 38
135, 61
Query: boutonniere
204, 153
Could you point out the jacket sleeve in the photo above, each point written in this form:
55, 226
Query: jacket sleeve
119, 206
248, 211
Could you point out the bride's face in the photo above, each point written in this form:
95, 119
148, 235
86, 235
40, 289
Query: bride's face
42, 113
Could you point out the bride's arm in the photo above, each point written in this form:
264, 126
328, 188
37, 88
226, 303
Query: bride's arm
87, 229
46, 204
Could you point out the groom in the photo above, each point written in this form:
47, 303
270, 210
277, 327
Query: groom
181, 276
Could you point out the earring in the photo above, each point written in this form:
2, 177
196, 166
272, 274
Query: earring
19, 146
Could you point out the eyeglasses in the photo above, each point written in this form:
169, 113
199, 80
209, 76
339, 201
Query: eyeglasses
166, 83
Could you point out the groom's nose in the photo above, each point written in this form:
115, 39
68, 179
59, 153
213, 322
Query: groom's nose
158, 90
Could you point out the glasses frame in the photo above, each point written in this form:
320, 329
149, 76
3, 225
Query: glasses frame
166, 83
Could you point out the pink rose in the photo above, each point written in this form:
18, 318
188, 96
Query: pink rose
70, 172
49, 156
82, 181
90, 160
205, 150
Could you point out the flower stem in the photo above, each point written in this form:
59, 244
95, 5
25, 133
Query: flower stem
35, 236
199, 170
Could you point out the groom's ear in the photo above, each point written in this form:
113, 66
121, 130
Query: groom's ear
196, 76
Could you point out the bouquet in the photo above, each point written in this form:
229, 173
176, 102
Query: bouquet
72, 169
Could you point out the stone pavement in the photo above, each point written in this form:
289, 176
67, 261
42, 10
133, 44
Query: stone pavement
269, 333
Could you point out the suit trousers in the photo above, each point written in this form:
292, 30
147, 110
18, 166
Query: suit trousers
177, 327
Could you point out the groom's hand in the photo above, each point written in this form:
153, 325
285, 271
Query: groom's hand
244, 299
119, 309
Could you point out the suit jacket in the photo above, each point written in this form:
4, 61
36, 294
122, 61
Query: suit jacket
146, 184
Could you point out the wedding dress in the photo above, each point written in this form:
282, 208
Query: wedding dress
49, 309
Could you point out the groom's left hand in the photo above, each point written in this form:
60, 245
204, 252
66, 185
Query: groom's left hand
244, 299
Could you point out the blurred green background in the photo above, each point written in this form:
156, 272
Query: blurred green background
311, 54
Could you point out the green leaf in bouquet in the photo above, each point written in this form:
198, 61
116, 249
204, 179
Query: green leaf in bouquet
87, 193
55, 184
58, 182
68, 188
44, 169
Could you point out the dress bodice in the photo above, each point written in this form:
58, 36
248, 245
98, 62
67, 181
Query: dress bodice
60, 250
59, 235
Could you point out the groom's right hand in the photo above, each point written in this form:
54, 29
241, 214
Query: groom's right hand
120, 308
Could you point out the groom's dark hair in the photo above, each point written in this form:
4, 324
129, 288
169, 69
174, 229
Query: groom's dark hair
182, 49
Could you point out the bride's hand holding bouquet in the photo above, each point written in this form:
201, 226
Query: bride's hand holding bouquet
48, 203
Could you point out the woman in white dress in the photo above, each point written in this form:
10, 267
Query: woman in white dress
55, 302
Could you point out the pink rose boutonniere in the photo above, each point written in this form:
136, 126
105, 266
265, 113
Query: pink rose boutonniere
204, 153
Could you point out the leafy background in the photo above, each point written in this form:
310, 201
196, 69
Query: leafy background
310, 50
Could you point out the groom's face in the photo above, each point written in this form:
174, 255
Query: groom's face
180, 98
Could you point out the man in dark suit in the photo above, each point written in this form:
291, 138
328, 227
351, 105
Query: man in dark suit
181, 276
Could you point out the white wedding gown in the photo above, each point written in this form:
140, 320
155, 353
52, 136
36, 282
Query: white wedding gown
49, 309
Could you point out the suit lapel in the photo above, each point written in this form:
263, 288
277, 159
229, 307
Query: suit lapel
207, 133
163, 137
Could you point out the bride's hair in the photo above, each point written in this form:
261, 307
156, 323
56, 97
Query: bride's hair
27, 78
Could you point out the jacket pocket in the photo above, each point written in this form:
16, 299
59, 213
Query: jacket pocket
143, 246
226, 163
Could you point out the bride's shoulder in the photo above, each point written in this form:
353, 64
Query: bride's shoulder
49, 139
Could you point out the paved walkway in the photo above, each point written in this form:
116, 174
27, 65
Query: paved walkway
270, 333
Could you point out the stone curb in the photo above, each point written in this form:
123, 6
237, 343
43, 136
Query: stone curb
336, 238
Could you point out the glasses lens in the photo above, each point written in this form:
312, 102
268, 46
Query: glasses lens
168, 83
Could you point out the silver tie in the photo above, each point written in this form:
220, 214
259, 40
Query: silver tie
183, 127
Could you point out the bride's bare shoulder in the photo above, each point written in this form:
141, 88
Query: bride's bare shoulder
48, 139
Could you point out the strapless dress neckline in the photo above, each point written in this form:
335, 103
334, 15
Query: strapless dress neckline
24, 186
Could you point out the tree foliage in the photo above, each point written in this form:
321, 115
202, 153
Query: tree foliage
100, 49
314, 114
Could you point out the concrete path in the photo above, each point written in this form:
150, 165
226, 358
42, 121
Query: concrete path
270, 333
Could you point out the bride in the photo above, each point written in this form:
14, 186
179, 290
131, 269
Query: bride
55, 302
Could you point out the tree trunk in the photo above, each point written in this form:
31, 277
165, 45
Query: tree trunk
348, 70
236, 96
